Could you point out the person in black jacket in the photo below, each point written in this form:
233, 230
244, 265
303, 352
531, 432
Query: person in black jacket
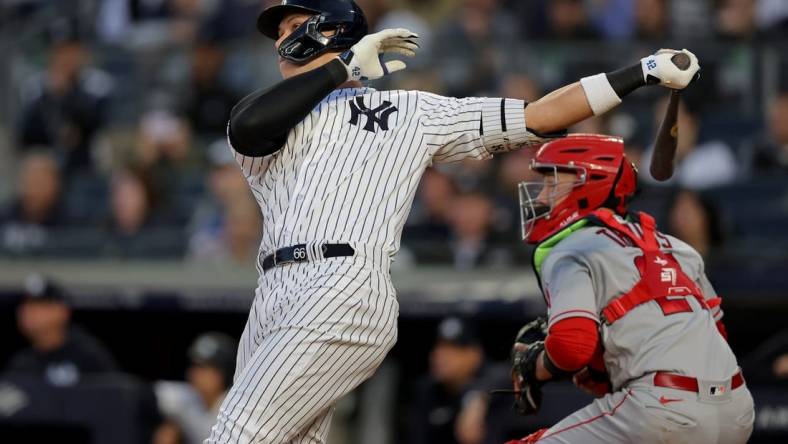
59, 352
442, 410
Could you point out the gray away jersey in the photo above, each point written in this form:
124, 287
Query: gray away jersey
589, 268
348, 172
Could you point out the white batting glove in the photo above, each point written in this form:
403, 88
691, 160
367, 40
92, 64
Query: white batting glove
661, 69
363, 61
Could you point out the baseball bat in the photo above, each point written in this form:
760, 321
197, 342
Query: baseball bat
664, 154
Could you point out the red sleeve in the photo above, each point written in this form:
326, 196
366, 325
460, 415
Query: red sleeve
722, 330
571, 343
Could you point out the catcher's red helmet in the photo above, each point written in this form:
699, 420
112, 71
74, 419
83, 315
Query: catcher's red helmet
603, 178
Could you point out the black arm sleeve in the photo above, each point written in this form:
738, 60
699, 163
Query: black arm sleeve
259, 123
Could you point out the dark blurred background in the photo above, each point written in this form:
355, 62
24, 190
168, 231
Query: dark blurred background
127, 233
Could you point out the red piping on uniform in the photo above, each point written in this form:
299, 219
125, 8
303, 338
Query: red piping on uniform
610, 413
722, 330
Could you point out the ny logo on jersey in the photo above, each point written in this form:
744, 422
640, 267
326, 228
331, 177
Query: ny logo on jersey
379, 115
668, 275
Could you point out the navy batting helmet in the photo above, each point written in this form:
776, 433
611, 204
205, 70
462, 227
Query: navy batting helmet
343, 17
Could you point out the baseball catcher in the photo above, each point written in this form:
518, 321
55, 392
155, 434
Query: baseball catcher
632, 317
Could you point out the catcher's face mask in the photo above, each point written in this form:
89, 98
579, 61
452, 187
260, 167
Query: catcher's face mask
543, 203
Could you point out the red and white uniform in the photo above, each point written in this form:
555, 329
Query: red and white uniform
672, 340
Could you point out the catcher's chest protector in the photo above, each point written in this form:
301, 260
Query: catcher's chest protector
661, 277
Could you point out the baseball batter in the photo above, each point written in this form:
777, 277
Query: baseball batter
631, 315
334, 167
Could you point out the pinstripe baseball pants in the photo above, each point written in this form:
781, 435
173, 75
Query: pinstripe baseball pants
316, 330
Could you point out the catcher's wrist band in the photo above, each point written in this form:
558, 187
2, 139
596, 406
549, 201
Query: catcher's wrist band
600, 93
553, 369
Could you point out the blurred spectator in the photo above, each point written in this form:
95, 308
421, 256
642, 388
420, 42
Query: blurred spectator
65, 106
59, 353
122, 21
132, 203
137, 226
37, 206
429, 218
471, 217
218, 229
770, 152
772, 15
374, 10
568, 20
209, 100
691, 20
451, 404
16, 11
472, 47
236, 241
699, 165
225, 183
163, 140
166, 156
153, 23
613, 18
515, 168
696, 221
651, 19
456, 363
520, 86
405, 15
736, 18
470, 174
190, 408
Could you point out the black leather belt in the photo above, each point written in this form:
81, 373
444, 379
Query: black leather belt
297, 253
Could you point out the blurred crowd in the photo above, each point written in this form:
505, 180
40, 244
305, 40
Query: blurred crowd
117, 113
63, 356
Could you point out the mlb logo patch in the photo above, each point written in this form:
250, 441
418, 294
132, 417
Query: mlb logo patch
716, 390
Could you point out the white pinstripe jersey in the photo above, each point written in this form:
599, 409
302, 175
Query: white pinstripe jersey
348, 172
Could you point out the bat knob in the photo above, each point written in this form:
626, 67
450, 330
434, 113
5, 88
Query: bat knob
681, 60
